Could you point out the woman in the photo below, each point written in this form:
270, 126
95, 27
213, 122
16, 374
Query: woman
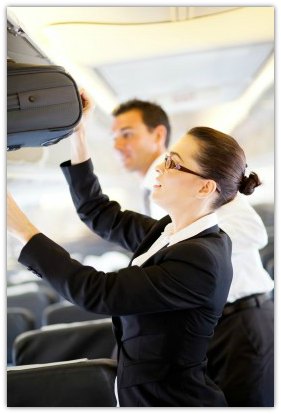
166, 304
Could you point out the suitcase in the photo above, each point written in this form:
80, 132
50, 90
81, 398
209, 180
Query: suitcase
43, 105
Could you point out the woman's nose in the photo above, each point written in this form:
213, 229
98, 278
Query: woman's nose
160, 168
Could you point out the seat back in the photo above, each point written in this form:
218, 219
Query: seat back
269, 267
266, 212
32, 297
26, 279
84, 383
267, 256
19, 320
65, 312
64, 342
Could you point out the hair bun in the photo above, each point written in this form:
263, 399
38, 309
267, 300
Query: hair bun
248, 184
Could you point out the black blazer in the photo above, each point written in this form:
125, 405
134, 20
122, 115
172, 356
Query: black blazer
164, 312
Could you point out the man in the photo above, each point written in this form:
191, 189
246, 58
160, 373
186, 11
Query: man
142, 135
241, 353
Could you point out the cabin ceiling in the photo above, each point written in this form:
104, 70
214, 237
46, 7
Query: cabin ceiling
187, 58
208, 65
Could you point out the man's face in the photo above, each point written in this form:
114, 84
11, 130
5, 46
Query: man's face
136, 144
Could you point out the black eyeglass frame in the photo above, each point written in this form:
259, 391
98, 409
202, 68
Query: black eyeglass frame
171, 164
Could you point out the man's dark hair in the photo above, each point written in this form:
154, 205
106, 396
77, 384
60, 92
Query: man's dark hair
152, 114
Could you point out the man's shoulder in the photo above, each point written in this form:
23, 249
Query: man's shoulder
238, 205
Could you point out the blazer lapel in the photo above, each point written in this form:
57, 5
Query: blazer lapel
151, 237
157, 230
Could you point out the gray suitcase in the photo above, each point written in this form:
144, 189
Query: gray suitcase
43, 105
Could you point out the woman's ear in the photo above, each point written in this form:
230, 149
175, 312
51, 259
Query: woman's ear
208, 188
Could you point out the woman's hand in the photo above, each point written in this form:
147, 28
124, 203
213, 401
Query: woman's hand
87, 108
87, 103
18, 224
79, 146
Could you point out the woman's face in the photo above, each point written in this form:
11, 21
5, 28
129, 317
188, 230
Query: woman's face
175, 187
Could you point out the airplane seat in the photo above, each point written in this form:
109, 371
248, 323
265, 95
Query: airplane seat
26, 278
64, 342
32, 297
66, 312
80, 383
270, 267
266, 212
114, 353
267, 257
19, 320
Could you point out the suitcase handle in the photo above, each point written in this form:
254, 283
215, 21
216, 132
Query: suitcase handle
40, 98
13, 102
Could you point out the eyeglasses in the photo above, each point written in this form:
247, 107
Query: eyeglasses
171, 164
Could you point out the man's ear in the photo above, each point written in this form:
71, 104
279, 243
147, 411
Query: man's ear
160, 134
208, 188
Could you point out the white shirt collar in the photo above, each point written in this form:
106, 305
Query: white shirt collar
191, 230
168, 237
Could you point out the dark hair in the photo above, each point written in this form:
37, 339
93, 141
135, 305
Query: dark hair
222, 159
152, 114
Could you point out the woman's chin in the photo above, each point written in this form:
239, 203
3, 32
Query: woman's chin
155, 197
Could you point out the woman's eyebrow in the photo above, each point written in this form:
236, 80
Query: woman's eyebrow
175, 153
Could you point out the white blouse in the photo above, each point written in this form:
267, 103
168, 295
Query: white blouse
169, 237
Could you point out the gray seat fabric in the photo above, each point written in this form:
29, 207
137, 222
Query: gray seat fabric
65, 312
266, 212
64, 342
267, 256
88, 383
270, 267
26, 279
19, 320
32, 297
